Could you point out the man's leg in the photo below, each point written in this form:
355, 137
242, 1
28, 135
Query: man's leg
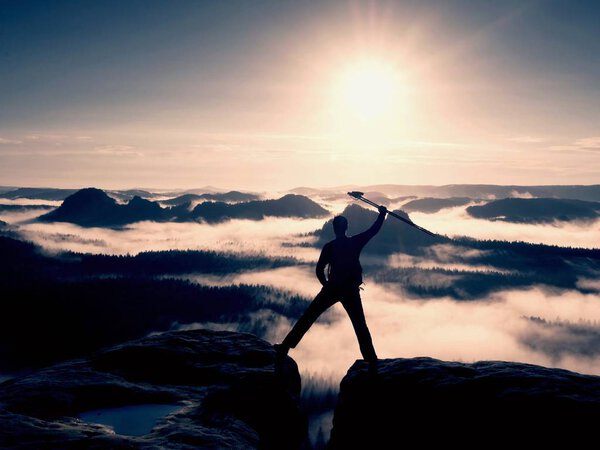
324, 299
353, 306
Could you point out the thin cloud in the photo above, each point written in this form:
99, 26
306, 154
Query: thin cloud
117, 150
527, 139
4, 141
588, 144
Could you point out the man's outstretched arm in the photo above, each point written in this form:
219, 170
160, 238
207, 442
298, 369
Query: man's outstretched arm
321, 264
365, 236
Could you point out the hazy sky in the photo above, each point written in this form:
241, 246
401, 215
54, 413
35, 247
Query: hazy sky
277, 94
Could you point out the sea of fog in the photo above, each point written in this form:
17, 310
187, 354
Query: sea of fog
490, 328
267, 236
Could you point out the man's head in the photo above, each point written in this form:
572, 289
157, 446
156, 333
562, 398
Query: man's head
340, 225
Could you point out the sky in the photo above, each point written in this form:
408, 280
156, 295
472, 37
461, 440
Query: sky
263, 95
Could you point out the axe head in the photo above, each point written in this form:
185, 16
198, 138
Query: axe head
356, 194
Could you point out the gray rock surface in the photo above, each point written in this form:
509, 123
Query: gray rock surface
225, 383
427, 403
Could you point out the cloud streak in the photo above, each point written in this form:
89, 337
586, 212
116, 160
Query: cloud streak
527, 139
588, 144
4, 141
117, 150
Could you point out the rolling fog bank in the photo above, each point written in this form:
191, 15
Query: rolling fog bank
456, 299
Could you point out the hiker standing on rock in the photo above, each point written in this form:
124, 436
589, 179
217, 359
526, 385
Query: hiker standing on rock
342, 283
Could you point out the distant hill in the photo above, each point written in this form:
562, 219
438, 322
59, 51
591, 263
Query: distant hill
231, 196
474, 191
536, 210
204, 190
431, 205
39, 193
93, 207
130, 193
303, 190
180, 213
403, 198
140, 209
20, 208
290, 205
182, 200
395, 236
377, 197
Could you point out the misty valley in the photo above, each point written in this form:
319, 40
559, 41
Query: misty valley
82, 270
287, 225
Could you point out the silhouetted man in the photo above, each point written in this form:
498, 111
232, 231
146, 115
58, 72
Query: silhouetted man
342, 283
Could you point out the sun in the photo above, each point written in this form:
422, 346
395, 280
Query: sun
368, 90
370, 106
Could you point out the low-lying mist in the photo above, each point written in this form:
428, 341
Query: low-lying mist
269, 234
497, 327
491, 326
455, 222
29, 202
266, 236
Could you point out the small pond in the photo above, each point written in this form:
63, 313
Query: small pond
131, 420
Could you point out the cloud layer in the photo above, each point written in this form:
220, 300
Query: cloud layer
496, 326
493, 328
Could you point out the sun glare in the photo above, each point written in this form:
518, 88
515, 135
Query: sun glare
369, 89
370, 104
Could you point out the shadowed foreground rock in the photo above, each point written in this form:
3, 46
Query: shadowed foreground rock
431, 403
224, 382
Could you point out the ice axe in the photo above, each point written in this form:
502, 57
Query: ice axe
359, 196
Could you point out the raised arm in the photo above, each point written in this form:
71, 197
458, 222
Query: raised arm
366, 236
322, 263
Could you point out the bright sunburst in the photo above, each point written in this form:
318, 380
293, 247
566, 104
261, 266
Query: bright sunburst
370, 101
368, 90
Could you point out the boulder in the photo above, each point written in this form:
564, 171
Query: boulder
428, 403
222, 385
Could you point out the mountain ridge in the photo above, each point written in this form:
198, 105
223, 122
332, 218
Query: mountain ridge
94, 207
536, 210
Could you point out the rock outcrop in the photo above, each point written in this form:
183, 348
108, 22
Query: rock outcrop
427, 403
91, 207
223, 383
